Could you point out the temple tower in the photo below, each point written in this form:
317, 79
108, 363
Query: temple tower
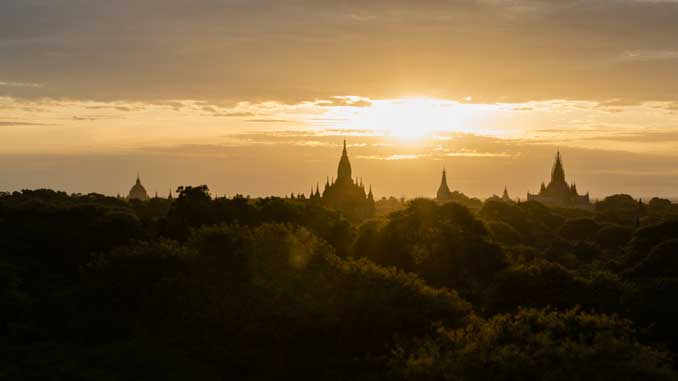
443, 191
344, 169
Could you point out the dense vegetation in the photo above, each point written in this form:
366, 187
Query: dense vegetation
98, 288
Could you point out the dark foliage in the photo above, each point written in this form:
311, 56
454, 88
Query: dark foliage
620, 209
580, 229
444, 244
99, 288
534, 345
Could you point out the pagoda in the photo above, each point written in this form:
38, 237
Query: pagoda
558, 192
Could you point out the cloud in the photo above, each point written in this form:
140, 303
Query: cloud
642, 173
173, 104
641, 136
392, 157
669, 106
270, 121
91, 118
19, 84
233, 114
477, 154
345, 101
650, 55
9, 123
116, 106
307, 50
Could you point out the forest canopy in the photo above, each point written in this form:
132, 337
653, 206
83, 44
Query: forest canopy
96, 287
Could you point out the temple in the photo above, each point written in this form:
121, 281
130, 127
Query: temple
505, 196
137, 192
345, 193
444, 193
558, 192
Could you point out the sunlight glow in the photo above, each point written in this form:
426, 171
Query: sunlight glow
413, 119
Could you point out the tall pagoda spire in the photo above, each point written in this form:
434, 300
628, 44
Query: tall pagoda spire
558, 173
344, 170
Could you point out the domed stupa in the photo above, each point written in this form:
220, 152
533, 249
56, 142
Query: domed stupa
138, 192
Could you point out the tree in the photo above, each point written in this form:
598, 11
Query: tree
192, 208
535, 345
646, 238
659, 205
444, 244
580, 229
661, 262
620, 209
503, 233
613, 236
531, 220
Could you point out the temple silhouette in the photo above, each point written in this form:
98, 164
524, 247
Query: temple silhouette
443, 193
138, 192
348, 194
345, 193
505, 196
558, 192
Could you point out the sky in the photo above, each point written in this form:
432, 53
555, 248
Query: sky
256, 96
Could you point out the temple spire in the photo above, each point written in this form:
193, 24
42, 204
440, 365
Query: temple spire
558, 173
443, 191
344, 169
558, 192
505, 196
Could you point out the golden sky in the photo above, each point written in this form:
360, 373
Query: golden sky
255, 96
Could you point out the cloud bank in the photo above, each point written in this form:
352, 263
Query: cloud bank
296, 50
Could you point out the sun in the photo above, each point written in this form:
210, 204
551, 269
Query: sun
408, 119
412, 120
